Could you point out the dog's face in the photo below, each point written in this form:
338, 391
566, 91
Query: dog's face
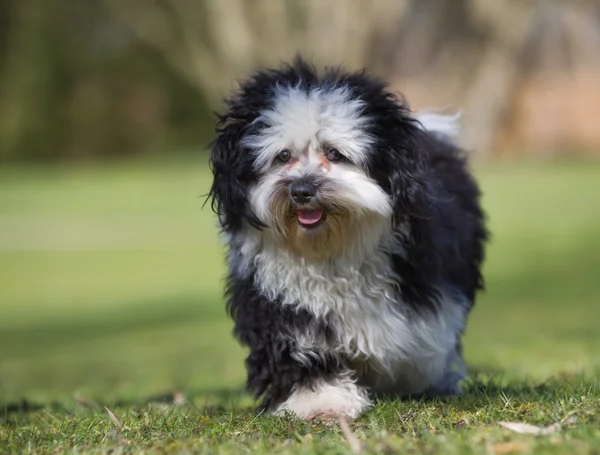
320, 165
312, 189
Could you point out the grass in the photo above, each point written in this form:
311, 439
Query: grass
110, 295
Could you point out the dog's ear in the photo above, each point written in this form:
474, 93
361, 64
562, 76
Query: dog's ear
408, 182
399, 164
403, 163
233, 172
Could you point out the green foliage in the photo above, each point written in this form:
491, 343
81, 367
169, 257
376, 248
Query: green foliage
111, 296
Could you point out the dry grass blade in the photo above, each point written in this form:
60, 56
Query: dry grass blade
353, 441
525, 428
114, 418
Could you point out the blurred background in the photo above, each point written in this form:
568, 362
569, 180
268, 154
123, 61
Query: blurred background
111, 270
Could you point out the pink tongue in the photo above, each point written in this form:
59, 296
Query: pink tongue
309, 216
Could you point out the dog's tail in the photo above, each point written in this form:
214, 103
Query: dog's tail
447, 126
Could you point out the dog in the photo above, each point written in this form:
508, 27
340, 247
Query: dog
355, 240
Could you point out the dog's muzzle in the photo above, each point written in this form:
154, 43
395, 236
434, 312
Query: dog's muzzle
304, 195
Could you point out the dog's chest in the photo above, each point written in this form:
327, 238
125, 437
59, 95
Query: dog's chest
359, 302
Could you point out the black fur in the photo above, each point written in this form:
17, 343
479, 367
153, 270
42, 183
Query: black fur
431, 189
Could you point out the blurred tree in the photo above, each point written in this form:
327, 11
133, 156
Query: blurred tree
26, 77
76, 84
111, 77
213, 42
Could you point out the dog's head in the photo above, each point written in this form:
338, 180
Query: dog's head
319, 163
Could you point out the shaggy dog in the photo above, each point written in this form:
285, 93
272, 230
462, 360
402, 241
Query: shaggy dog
355, 240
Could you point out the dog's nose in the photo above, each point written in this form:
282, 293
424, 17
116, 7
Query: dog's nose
302, 192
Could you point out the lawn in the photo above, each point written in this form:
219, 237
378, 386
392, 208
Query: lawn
110, 296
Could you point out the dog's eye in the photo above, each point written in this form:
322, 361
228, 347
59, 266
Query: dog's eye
334, 155
284, 156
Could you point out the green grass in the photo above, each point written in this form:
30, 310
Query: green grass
110, 295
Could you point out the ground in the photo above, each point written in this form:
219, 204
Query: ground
113, 335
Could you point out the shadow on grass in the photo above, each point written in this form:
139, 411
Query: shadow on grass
226, 397
129, 317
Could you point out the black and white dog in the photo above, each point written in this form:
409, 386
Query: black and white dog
355, 241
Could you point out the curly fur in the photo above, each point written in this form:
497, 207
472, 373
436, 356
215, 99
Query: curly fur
376, 298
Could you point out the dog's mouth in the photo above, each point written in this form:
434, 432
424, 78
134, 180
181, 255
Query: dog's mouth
310, 218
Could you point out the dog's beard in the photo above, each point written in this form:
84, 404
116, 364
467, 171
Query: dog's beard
344, 224
319, 242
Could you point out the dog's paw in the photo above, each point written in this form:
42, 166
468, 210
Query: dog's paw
331, 415
327, 401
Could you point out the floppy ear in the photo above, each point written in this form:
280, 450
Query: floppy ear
400, 162
401, 168
233, 172
407, 179
410, 186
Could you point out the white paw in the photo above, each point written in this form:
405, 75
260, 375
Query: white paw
327, 400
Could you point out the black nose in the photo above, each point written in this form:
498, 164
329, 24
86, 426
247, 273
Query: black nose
302, 192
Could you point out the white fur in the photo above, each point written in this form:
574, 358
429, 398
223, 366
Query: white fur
308, 125
444, 125
352, 187
299, 120
340, 397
